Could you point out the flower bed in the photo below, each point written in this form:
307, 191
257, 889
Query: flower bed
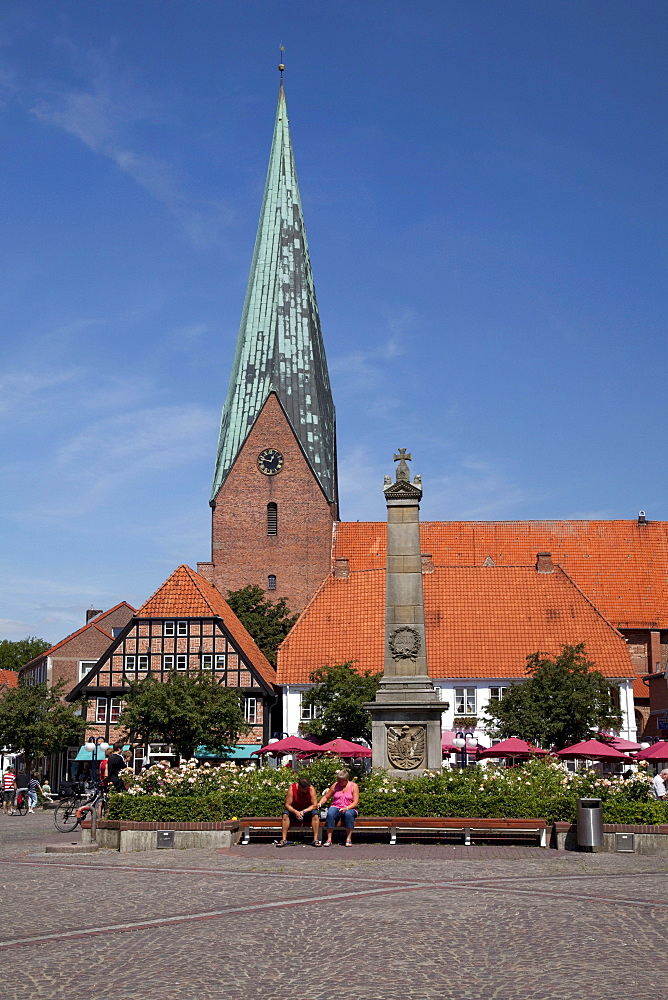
540, 788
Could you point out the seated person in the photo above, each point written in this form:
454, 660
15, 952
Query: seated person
301, 806
46, 791
345, 796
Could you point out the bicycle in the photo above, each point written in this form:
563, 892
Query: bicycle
71, 812
21, 802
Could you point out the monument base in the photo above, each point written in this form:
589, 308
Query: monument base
406, 727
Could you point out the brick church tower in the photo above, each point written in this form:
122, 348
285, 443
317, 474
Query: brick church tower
275, 497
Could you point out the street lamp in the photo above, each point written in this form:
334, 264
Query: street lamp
464, 742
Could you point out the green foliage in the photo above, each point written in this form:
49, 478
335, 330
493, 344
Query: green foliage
186, 710
339, 693
34, 721
13, 655
542, 789
563, 702
267, 622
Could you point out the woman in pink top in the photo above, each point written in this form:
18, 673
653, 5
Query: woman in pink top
345, 797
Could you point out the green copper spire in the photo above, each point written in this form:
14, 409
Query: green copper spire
280, 346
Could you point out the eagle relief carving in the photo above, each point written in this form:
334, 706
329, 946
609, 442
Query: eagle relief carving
407, 746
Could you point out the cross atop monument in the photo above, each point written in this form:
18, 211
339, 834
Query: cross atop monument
403, 472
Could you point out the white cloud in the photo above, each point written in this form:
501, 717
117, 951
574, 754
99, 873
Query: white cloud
101, 114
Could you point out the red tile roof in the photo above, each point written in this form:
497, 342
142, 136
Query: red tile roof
9, 678
95, 623
480, 622
186, 594
621, 566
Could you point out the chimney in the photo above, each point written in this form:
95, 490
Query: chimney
341, 570
91, 613
641, 517
544, 563
427, 562
205, 569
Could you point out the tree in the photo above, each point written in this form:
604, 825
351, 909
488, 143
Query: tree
564, 701
186, 711
35, 722
339, 694
267, 622
13, 655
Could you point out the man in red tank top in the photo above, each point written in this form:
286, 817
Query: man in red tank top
301, 806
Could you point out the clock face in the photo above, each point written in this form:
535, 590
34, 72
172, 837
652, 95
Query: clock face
270, 461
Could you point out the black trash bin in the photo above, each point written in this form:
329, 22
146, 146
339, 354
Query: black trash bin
590, 824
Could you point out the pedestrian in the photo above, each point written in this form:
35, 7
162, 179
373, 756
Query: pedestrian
33, 788
115, 764
8, 790
301, 806
345, 795
22, 782
660, 784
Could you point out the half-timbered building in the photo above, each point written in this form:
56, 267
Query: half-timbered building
186, 626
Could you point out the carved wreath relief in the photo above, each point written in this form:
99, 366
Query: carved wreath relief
407, 746
405, 643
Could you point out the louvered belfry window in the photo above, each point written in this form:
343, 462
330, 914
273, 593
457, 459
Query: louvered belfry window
272, 519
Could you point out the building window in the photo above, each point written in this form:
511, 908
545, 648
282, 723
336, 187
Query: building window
465, 701
168, 662
85, 666
170, 628
116, 631
207, 661
272, 519
37, 675
271, 582
115, 709
130, 664
497, 693
142, 662
102, 705
181, 662
308, 712
250, 711
221, 661
182, 628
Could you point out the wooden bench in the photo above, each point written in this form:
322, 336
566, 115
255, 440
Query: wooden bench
394, 826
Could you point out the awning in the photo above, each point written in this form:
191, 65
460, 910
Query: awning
239, 752
89, 755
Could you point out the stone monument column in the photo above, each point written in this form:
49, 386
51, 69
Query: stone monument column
406, 714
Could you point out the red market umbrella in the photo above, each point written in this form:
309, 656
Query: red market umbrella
345, 748
657, 751
618, 743
591, 750
291, 744
513, 748
447, 746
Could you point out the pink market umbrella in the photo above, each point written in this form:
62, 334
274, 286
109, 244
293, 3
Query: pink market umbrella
591, 750
618, 743
291, 744
512, 748
447, 746
657, 751
345, 748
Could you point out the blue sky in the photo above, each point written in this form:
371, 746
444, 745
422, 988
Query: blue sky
484, 191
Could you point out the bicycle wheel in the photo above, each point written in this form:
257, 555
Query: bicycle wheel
65, 816
21, 806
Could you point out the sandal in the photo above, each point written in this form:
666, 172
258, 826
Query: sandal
280, 843
328, 843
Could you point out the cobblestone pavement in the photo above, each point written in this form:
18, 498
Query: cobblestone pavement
420, 922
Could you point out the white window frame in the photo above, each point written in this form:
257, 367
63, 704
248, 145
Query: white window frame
115, 709
182, 628
88, 665
207, 661
130, 664
221, 661
307, 713
101, 708
465, 701
182, 661
250, 710
500, 691
142, 662
168, 661
169, 628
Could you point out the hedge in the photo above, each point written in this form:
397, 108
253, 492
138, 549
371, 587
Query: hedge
217, 806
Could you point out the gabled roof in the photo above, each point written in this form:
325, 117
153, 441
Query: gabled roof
279, 345
96, 623
622, 566
186, 594
480, 622
9, 678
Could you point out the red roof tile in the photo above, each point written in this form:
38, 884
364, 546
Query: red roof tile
480, 622
9, 678
621, 566
186, 594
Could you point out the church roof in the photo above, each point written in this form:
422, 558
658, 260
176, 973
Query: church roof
280, 346
622, 566
481, 621
186, 594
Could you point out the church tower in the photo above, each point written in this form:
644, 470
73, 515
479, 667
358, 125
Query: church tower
275, 496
